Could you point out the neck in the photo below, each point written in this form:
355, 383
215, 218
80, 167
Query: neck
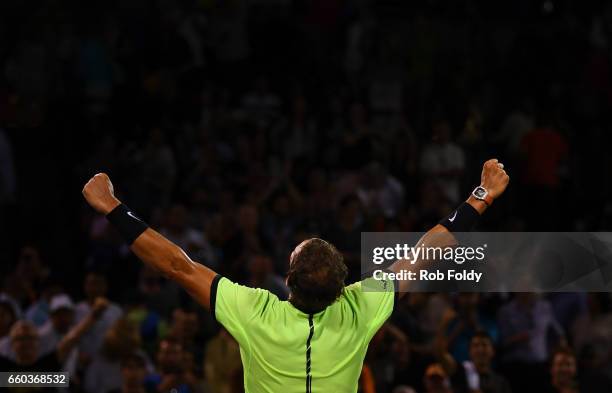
483, 368
300, 307
562, 385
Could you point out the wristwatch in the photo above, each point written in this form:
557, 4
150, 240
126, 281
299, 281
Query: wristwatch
482, 194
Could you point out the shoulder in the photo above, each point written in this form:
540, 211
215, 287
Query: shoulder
368, 291
223, 283
239, 300
114, 309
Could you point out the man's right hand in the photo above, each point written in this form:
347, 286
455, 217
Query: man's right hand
494, 178
98, 307
99, 194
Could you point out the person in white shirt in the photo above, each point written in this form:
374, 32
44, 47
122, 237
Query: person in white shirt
444, 161
380, 192
61, 319
95, 286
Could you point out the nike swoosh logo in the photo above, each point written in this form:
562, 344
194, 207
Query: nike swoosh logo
451, 219
133, 216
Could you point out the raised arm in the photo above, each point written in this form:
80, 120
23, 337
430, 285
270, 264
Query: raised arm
68, 342
148, 245
494, 180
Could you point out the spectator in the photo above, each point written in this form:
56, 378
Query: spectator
592, 338
38, 311
563, 372
317, 200
458, 331
24, 284
545, 152
514, 127
185, 328
356, 145
223, 367
436, 380
261, 105
245, 241
279, 225
171, 374
386, 357
8, 316
133, 374
159, 165
380, 193
345, 234
191, 240
524, 325
261, 275
61, 319
477, 374
103, 373
95, 286
444, 161
298, 132
26, 346
158, 294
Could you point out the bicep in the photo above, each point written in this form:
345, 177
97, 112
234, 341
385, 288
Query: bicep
374, 300
199, 283
168, 258
437, 236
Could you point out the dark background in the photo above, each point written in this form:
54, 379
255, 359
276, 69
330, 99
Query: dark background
239, 128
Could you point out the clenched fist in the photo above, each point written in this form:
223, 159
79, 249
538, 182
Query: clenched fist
494, 178
99, 194
99, 306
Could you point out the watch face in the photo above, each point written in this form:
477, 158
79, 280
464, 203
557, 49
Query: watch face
480, 193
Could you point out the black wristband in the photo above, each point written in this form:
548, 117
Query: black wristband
126, 223
462, 219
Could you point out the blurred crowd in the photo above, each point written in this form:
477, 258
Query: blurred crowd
239, 128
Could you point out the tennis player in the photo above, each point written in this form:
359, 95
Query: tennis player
317, 340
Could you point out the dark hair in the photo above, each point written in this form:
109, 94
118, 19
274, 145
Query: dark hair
316, 276
482, 334
562, 350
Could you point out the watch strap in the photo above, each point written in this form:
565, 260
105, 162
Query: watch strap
487, 199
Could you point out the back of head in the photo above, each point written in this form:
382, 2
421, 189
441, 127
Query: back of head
316, 275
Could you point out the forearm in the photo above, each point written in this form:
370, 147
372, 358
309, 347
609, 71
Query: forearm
162, 255
433, 238
73, 336
166, 257
441, 236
